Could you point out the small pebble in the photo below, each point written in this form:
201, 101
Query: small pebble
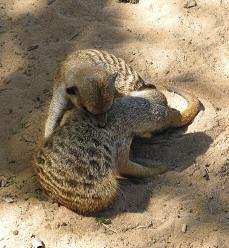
32, 48
3, 182
8, 199
205, 174
184, 228
15, 232
37, 243
190, 4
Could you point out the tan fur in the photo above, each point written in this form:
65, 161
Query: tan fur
179, 119
78, 164
99, 77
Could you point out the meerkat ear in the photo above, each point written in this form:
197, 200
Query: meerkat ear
72, 90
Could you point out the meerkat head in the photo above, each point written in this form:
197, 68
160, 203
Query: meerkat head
93, 89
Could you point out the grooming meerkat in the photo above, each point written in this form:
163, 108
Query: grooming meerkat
90, 79
78, 164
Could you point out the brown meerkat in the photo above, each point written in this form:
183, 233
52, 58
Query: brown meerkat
79, 163
90, 79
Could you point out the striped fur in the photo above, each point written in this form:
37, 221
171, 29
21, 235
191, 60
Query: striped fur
98, 76
78, 164
127, 80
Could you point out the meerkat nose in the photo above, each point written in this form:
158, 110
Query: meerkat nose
102, 120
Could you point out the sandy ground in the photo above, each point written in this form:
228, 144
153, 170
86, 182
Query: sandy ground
186, 207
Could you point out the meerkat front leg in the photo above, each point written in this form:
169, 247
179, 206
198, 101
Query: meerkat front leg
66, 117
57, 107
137, 170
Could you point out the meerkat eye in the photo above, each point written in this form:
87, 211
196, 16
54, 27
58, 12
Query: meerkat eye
71, 90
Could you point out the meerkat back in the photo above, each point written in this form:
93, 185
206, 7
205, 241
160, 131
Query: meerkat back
127, 80
76, 166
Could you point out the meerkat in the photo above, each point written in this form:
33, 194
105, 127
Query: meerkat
79, 163
90, 79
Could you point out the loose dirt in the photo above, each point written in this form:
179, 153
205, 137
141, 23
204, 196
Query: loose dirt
165, 42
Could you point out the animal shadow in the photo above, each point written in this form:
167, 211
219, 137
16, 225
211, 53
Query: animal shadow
178, 151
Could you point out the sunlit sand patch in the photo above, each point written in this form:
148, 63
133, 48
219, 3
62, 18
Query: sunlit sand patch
161, 15
224, 59
86, 242
213, 3
170, 17
8, 217
22, 7
161, 59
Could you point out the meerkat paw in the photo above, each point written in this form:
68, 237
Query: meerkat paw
66, 117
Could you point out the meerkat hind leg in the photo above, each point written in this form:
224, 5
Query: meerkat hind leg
137, 170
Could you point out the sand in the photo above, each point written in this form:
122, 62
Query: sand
166, 43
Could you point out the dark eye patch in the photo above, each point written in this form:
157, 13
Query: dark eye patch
71, 90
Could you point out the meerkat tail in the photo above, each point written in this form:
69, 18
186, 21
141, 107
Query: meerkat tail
137, 170
183, 118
